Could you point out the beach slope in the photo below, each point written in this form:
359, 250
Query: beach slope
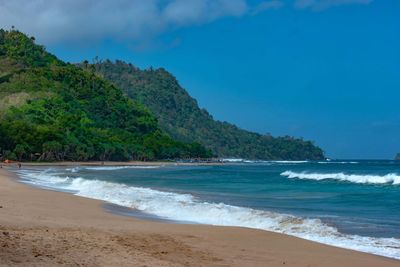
47, 228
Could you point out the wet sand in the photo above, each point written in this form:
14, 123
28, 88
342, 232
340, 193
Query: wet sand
47, 228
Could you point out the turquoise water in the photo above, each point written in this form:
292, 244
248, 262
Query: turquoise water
352, 204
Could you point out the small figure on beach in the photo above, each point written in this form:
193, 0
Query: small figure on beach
19, 165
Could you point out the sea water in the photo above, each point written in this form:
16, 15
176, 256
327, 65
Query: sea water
349, 204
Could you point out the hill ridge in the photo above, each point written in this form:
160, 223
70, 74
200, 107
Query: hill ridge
53, 110
180, 116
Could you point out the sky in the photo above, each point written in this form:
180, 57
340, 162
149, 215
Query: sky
324, 70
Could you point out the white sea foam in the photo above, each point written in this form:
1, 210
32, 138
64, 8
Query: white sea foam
239, 160
391, 178
234, 160
109, 168
113, 168
338, 162
46, 178
185, 207
290, 161
74, 169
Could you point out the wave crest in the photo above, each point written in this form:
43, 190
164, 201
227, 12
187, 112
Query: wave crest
391, 178
186, 207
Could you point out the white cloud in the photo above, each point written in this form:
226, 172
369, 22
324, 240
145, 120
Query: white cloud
273, 4
72, 20
318, 5
199, 11
56, 21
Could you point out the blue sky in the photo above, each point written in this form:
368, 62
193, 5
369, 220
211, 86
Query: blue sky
325, 70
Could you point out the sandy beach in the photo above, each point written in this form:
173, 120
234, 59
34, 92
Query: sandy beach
46, 228
111, 163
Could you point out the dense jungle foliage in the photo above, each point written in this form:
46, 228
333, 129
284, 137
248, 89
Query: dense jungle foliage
180, 116
51, 110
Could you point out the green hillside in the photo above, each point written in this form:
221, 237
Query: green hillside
180, 116
50, 110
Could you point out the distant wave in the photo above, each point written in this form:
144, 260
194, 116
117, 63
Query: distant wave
290, 161
112, 168
391, 178
232, 160
238, 160
186, 207
338, 162
74, 169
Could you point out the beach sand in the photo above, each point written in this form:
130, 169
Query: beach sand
116, 163
46, 228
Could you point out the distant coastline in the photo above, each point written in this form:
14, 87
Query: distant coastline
115, 163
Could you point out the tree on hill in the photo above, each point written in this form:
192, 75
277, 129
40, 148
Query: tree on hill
180, 116
56, 111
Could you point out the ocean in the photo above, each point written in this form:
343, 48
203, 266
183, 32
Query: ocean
348, 204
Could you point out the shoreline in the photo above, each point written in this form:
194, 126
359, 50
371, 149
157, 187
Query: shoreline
113, 163
49, 227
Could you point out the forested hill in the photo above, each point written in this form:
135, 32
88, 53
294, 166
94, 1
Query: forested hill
180, 116
51, 110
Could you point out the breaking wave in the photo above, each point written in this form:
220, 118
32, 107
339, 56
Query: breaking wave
110, 168
338, 162
186, 207
238, 160
391, 178
113, 168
